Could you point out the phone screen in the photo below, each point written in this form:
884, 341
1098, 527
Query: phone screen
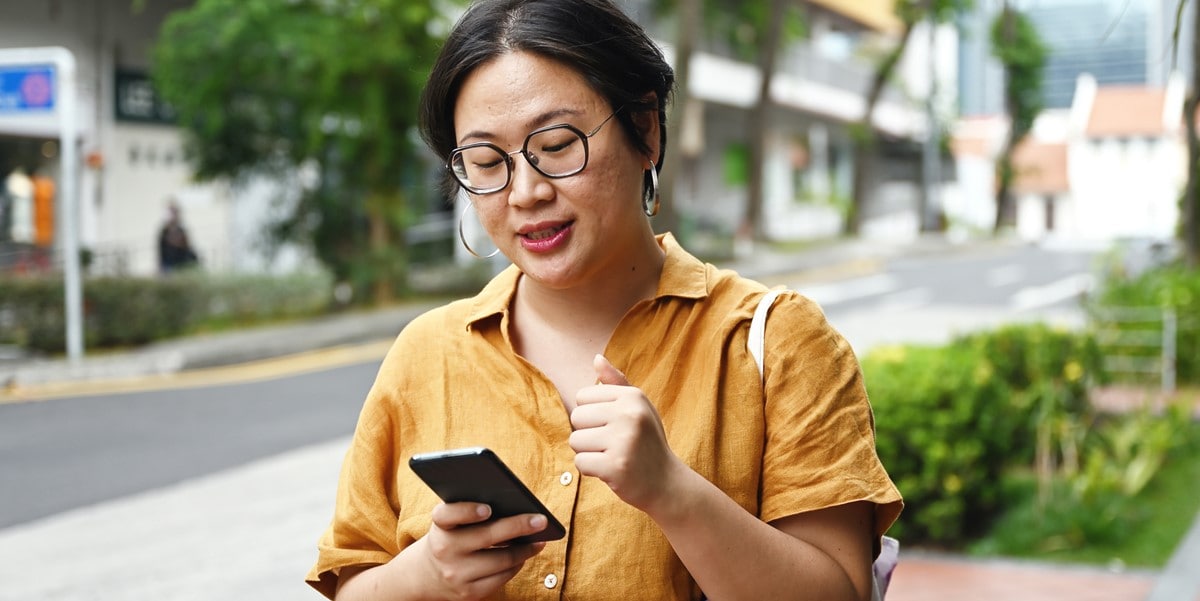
477, 474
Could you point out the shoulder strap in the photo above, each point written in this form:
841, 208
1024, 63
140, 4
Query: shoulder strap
756, 342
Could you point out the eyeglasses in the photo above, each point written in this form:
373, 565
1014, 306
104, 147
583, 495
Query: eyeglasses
555, 151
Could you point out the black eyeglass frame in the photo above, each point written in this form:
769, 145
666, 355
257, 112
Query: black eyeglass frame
524, 151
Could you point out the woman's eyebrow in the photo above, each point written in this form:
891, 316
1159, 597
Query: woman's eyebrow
537, 121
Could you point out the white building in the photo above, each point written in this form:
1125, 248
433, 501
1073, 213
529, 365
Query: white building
134, 159
1112, 166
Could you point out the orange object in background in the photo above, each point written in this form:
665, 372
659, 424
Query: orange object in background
43, 211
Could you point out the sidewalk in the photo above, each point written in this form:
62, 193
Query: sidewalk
250, 532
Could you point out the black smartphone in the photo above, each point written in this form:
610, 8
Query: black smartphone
478, 475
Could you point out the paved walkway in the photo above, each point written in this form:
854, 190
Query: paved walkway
249, 532
932, 578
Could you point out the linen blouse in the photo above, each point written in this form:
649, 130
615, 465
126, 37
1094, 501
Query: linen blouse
452, 379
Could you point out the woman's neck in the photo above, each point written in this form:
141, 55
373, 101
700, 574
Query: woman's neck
604, 299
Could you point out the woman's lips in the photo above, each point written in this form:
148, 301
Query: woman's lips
545, 237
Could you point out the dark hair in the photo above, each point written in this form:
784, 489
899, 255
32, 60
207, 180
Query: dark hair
594, 37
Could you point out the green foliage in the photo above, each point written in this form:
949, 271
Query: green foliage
1172, 286
941, 428
121, 312
991, 440
329, 88
736, 165
952, 420
740, 24
1020, 50
1098, 510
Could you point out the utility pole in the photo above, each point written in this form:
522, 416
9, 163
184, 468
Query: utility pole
931, 153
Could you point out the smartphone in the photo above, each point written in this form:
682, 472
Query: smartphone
478, 475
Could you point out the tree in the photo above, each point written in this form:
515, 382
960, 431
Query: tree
760, 115
1015, 42
863, 134
280, 87
754, 33
1190, 203
690, 17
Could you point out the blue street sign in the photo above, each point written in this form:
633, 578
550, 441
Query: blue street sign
27, 89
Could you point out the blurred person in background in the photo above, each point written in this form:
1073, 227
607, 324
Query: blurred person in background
19, 187
607, 366
174, 249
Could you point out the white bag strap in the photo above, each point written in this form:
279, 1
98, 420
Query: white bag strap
758, 327
756, 343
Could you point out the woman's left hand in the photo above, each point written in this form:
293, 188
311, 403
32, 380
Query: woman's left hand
619, 439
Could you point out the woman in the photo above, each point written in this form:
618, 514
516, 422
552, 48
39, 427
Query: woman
607, 366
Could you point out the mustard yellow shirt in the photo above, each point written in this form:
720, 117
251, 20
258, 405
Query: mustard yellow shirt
452, 379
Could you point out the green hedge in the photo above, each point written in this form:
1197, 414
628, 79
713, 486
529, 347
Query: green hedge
120, 312
952, 420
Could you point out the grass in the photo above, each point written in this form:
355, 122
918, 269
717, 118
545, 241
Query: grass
1148, 529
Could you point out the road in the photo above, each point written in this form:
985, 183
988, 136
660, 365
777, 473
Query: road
67, 453
929, 299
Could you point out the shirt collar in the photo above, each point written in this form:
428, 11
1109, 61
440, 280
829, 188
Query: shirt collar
683, 276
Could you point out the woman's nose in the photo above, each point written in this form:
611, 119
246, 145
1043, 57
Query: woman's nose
528, 186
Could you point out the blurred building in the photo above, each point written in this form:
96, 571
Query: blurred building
1118, 42
1111, 166
132, 154
819, 94
134, 160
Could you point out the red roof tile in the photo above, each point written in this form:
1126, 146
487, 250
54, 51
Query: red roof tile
1121, 111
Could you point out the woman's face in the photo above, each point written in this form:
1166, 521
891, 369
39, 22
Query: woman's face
561, 232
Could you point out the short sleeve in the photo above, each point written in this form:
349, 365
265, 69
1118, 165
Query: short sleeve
820, 430
363, 529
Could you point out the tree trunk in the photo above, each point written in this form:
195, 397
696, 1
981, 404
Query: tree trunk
671, 175
864, 138
1190, 209
768, 52
387, 247
1004, 167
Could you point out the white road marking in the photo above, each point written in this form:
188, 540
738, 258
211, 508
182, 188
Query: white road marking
840, 292
1004, 275
905, 300
1055, 292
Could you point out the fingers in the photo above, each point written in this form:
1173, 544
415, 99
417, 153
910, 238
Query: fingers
611, 384
471, 559
448, 516
606, 373
472, 530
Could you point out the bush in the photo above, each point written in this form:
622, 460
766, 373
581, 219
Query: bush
1096, 506
942, 429
121, 312
952, 421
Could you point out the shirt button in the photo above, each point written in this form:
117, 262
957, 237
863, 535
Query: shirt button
551, 581
565, 478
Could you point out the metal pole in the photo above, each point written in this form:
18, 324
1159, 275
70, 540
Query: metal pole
69, 154
930, 151
1168, 350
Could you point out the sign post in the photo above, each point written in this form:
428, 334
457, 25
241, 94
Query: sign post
33, 82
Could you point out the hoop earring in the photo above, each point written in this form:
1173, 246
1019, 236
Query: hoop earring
651, 201
463, 238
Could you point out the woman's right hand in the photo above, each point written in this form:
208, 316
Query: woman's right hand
465, 556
